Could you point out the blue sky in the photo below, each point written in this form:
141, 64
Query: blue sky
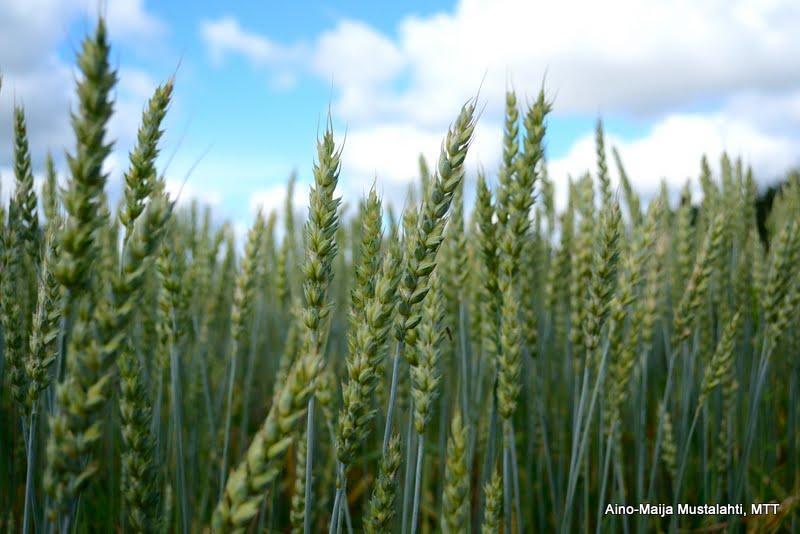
671, 80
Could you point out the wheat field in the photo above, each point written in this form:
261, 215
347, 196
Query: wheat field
496, 366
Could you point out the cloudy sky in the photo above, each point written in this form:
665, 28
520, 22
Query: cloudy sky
672, 79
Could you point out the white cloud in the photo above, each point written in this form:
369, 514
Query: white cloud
388, 152
659, 60
6, 184
283, 81
184, 191
226, 36
387, 155
274, 198
673, 148
621, 55
44, 92
37, 78
33, 75
130, 19
134, 89
339, 54
774, 112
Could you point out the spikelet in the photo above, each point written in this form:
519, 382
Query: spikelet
368, 260
321, 246
98, 336
240, 500
669, 449
684, 242
298, 507
509, 361
283, 290
520, 195
493, 505
246, 280
602, 165
381, 509
139, 474
25, 194
367, 343
453, 259
604, 278
642, 263
245, 485
488, 245
425, 241
697, 286
455, 499
45, 324
84, 192
710, 190
631, 197
11, 316
425, 374
515, 230
140, 179
510, 152
49, 193
780, 279
139, 480
721, 362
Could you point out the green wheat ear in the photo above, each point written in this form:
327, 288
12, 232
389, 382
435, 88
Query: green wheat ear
381, 507
25, 193
141, 177
298, 509
493, 506
669, 449
45, 325
455, 501
425, 375
722, 360
371, 313
49, 193
697, 286
98, 336
140, 489
426, 240
11, 312
85, 188
246, 483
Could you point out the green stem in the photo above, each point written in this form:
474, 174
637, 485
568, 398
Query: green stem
584, 435
337, 500
507, 495
604, 480
31, 446
309, 465
682, 468
408, 482
417, 483
387, 432
763, 365
177, 409
228, 416
515, 475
